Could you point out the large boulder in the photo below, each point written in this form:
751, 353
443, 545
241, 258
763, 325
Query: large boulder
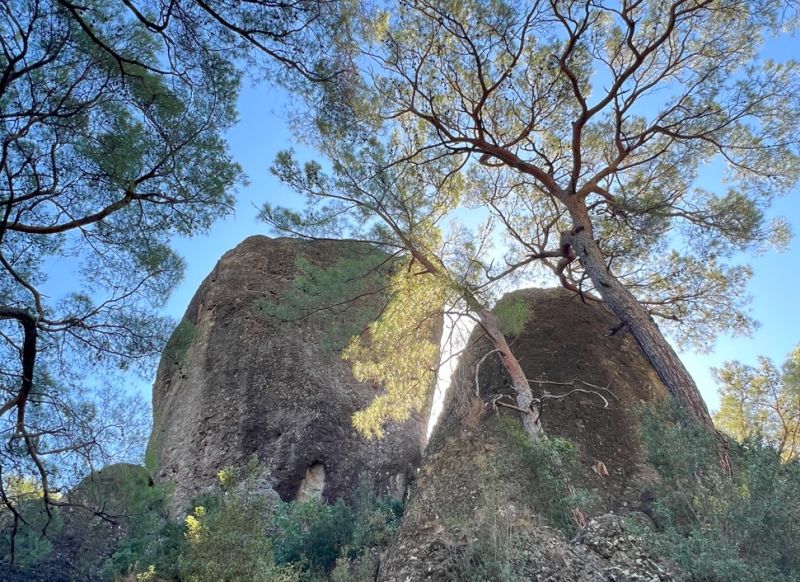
236, 382
485, 505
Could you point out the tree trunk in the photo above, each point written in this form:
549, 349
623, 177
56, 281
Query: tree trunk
627, 308
524, 396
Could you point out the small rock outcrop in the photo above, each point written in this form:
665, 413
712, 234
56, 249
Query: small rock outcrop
88, 528
479, 507
235, 382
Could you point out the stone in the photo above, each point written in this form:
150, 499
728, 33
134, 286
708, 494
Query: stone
236, 383
475, 506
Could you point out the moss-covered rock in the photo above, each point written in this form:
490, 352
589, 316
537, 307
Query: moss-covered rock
489, 504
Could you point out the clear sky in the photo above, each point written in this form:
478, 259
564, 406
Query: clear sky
262, 132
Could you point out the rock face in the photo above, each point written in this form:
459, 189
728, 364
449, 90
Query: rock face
235, 382
478, 509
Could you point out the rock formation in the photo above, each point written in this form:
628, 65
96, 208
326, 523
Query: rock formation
478, 503
81, 541
235, 382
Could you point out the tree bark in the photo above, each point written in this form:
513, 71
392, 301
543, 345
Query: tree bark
531, 421
627, 308
28, 355
579, 242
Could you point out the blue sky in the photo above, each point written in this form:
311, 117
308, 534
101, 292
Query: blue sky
262, 132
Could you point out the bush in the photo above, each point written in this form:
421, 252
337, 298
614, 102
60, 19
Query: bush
153, 549
522, 476
240, 534
228, 543
744, 528
311, 533
315, 535
544, 468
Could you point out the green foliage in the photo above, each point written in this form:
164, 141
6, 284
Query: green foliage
522, 109
361, 570
762, 402
113, 144
374, 518
549, 465
341, 299
492, 554
400, 350
312, 533
150, 551
744, 528
238, 533
384, 316
151, 538
124, 492
513, 314
30, 546
229, 542
315, 535
227, 535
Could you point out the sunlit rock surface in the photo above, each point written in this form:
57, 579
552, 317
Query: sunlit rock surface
476, 503
235, 382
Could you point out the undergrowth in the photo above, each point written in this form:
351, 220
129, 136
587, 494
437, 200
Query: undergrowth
239, 534
527, 481
542, 469
714, 527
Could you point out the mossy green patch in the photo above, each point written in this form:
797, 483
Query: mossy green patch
178, 345
513, 314
152, 453
341, 299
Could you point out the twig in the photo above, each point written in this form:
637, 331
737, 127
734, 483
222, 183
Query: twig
495, 402
576, 389
558, 396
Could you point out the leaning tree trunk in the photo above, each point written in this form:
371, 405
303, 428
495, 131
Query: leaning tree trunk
635, 317
630, 312
531, 421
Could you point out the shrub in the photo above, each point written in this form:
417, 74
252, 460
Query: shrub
315, 535
375, 519
240, 534
744, 528
544, 469
311, 533
228, 543
30, 547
